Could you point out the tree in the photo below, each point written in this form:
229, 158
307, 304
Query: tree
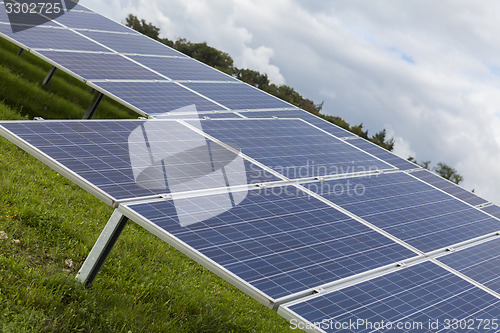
380, 139
358, 130
206, 54
147, 29
252, 77
223, 62
448, 172
423, 164
336, 120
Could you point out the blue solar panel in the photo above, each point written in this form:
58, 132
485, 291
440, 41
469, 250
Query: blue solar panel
449, 187
279, 240
408, 209
238, 96
274, 241
383, 154
132, 43
157, 97
183, 69
51, 38
493, 210
28, 20
85, 20
417, 296
3, 15
481, 263
210, 115
116, 156
95, 66
301, 114
292, 147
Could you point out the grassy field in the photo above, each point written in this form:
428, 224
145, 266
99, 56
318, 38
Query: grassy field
48, 226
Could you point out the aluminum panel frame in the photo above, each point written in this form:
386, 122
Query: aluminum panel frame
58, 167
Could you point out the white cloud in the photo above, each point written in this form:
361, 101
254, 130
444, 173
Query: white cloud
402, 148
327, 93
260, 60
441, 106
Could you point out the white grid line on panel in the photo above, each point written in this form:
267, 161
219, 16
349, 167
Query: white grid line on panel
361, 220
57, 166
350, 144
468, 279
197, 256
295, 108
478, 207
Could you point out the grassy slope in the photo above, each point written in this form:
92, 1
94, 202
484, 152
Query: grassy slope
145, 286
63, 98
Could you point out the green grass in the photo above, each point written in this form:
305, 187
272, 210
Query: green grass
63, 98
51, 225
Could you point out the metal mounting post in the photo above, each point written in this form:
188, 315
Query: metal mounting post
49, 76
101, 249
93, 106
20, 51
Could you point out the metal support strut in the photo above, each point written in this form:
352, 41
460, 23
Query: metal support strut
101, 249
93, 106
20, 51
49, 76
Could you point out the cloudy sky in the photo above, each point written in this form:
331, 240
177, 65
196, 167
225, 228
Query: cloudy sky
427, 71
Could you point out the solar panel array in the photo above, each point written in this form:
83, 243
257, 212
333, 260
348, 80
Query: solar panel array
111, 58
297, 212
421, 298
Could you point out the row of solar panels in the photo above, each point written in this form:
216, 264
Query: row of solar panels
325, 225
134, 69
282, 239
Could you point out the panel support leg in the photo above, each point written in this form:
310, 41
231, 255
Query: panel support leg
93, 106
20, 51
101, 249
49, 76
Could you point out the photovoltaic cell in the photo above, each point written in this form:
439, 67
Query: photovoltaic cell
493, 210
237, 96
51, 38
421, 294
94, 66
182, 69
3, 14
279, 241
481, 263
383, 154
85, 20
210, 115
409, 209
157, 97
449, 187
25, 20
102, 153
292, 147
301, 114
131, 43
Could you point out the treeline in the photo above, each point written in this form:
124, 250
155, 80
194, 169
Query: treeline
441, 169
223, 62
